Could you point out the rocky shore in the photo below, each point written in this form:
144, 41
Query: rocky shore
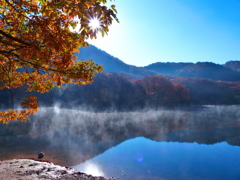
29, 169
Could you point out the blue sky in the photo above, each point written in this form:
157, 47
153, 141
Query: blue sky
174, 31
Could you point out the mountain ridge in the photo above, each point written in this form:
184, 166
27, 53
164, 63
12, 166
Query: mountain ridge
230, 71
111, 63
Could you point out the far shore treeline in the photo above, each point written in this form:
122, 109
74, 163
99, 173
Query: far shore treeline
126, 87
118, 91
121, 92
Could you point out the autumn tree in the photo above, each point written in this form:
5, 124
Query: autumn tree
38, 39
109, 90
159, 90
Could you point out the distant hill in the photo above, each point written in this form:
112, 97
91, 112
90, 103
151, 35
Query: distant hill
234, 65
168, 68
208, 70
112, 64
205, 70
230, 71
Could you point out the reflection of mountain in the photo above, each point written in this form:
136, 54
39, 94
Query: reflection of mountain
209, 136
69, 137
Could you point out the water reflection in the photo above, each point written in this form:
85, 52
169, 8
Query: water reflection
141, 158
90, 168
72, 136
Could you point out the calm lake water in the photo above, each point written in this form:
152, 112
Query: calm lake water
141, 158
187, 143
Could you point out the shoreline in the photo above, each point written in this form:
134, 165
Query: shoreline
28, 169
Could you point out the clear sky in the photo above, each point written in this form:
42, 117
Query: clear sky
174, 31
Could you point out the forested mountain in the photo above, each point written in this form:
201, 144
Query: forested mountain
113, 90
169, 68
234, 65
206, 91
112, 64
206, 70
120, 92
126, 87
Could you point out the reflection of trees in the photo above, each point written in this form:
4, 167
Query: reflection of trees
71, 136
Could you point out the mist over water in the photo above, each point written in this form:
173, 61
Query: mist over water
72, 136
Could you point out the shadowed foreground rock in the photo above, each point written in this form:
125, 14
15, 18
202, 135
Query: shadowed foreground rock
28, 169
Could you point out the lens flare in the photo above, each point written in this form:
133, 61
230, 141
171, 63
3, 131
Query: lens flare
94, 23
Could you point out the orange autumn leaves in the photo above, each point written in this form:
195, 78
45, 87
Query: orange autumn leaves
30, 103
38, 45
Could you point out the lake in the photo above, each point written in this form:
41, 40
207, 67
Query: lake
189, 143
141, 158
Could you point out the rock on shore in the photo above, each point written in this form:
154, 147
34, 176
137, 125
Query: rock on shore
29, 169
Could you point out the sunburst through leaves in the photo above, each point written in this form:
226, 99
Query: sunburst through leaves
95, 24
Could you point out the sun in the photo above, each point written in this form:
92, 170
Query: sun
94, 23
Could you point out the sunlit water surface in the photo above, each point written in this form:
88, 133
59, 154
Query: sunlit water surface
141, 158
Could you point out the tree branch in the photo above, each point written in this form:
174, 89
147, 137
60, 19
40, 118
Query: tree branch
13, 38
